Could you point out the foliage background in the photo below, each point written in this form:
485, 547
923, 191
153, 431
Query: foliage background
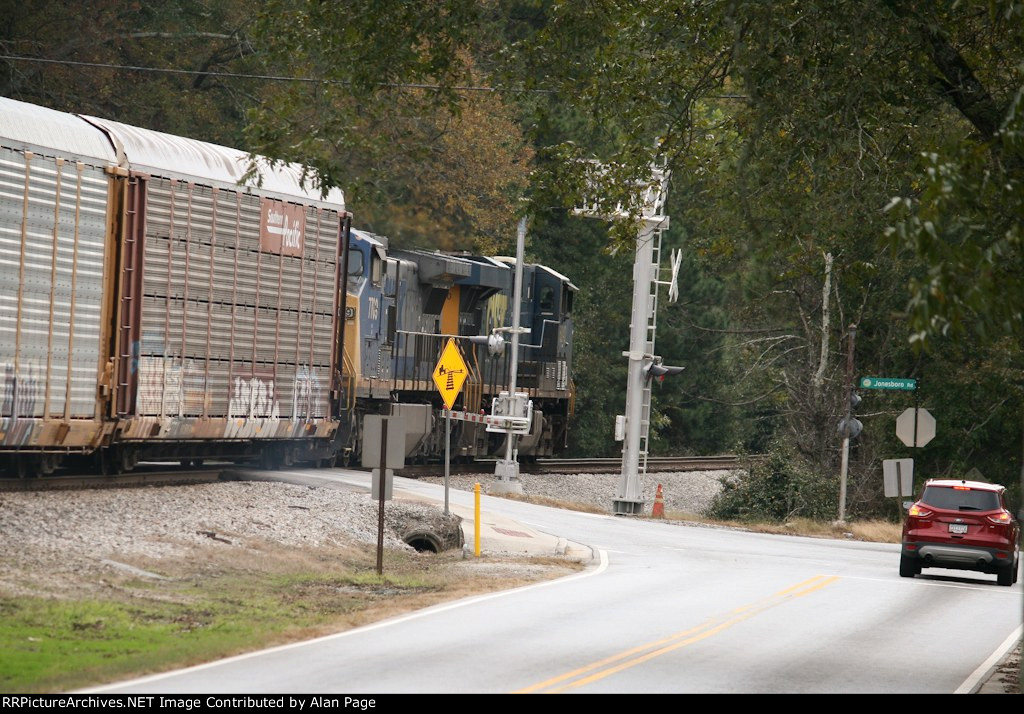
833, 163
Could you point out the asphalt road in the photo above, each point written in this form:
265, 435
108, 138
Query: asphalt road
665, 608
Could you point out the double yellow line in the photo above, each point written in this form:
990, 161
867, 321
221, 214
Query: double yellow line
637, 655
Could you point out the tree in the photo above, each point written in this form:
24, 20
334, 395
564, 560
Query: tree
790, 127
87, 45
832, 163
381, 117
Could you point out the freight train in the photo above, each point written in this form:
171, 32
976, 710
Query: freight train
155, 305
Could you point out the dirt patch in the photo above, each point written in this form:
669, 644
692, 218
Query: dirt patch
1007, 675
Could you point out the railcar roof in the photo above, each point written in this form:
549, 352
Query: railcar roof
49, 132
179, 157
106, 142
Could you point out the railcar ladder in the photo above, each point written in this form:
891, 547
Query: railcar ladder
130, 309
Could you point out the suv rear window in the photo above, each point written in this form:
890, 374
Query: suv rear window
960, 500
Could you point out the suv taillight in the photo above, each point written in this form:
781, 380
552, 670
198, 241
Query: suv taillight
919, 511
1000, 519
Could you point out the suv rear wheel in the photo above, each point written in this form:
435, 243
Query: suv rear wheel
1004, 576
909, 567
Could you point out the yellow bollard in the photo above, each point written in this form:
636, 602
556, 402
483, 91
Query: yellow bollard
476, 520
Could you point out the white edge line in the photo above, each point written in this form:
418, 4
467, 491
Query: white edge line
980, 586
971, 682
602, 566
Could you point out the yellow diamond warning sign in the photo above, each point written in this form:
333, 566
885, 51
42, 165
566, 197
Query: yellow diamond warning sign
450, 373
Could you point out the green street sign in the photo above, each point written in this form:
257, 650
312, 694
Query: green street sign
888, 383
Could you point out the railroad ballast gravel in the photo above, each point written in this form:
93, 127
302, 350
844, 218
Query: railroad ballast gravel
83, 529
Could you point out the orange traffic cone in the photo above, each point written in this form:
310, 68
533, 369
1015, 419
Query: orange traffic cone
659, 504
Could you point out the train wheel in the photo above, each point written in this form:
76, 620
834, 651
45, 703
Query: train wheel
105, 463
127, 459
270, 458
48, 463
116, 460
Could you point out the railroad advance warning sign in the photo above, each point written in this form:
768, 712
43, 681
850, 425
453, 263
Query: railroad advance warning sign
450, 373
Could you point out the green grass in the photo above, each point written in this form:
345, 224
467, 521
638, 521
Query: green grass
115, 628
49, 644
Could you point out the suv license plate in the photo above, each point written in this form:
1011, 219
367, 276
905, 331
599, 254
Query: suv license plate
957, 527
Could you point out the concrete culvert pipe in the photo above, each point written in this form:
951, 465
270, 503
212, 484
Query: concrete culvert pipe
424, 541
428, 530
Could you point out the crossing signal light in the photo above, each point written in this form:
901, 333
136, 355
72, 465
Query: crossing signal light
656, 370
850, 427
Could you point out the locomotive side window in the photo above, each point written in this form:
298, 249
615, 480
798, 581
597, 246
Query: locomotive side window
355, 263
547, 299
566, 302
391, 267
376, 269
392, 325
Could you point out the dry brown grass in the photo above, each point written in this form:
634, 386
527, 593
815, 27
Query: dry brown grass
554, 503
873, 531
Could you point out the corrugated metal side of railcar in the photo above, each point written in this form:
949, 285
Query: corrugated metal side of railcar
232, 332
55, 248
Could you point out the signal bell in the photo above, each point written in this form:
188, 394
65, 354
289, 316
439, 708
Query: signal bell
495, 343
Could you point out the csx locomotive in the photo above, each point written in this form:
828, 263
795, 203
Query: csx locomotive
156, 306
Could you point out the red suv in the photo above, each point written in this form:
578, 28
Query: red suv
963, 525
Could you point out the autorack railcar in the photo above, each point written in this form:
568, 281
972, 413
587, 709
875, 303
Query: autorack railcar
156, 308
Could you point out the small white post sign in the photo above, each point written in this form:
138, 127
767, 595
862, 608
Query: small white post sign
898, 477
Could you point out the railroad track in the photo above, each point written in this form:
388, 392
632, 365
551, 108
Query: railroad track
161, 474
613, 464
140, 477
654, 464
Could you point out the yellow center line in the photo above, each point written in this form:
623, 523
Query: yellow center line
642, 653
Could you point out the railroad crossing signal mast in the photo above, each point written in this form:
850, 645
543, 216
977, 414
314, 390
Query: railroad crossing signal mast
633, 428
512, 403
